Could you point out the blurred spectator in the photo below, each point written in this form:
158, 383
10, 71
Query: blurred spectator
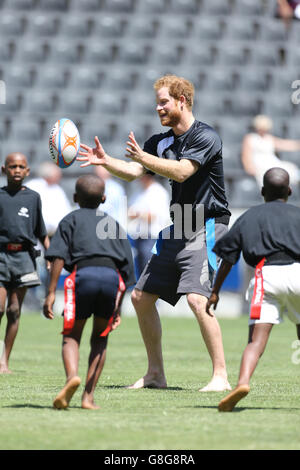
147, 216
55, 204
115, 204
259, 151
288, 10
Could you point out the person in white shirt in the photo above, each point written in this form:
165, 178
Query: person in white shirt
147, 216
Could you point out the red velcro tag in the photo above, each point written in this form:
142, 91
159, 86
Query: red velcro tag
14, 246
258, 292
119, 296
70, 305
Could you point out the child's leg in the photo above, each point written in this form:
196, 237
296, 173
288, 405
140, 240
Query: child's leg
258, 338
13, 312
3, 362
96, 362
70, 355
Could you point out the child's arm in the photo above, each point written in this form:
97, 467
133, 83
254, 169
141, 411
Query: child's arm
56, 269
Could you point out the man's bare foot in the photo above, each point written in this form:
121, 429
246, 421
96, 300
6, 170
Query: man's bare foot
229, 402
149, 382
63, 399
87, 405
217, 384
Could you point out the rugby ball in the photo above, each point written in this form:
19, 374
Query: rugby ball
64, 143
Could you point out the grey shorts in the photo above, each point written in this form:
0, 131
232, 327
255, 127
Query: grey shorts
18, 270
181, 267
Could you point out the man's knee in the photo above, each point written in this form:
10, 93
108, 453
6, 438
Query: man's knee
197, 302
141, 299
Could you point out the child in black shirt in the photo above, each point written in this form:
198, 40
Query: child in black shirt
22, 225
101, 268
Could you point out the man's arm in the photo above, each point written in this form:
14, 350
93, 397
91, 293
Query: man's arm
176, 170
56, 269
127, 171
222, 273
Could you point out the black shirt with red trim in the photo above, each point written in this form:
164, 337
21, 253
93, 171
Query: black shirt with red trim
87, 233
263, 231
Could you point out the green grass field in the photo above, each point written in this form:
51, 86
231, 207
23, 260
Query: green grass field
179, 418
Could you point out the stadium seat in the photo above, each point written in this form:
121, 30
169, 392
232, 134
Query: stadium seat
115, 79
6, 51
64, 52
96, 126
240, 28
53, 5
165, 53
245, 193
204, 55
137, 126
216, 7
25, 129
42, 25
72, 102
151, 6
264, 54
19, 5
174, 26
141, 103
76, 25
252, 79
184, 6
232, 130
38, 102
293, 57
85, 78
87, 5
243, 104
270, 29
118, 6
11, 24
31, 50
207, 28
108, 25
133, 52
232, 53
99, 52
18, 76
219, 78
280, 107
141, 26
108, 103
47, 77
248, 8
13, 102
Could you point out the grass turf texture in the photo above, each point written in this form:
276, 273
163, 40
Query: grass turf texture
177, 418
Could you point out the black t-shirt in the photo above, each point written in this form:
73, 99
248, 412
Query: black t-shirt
262, 231
86, 233
21, 216
202, 144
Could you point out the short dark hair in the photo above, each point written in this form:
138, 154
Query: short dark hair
89, 190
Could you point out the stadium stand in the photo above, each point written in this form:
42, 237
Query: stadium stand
95, 62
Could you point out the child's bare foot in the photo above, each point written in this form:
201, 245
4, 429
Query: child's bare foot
4, 369
63, 399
